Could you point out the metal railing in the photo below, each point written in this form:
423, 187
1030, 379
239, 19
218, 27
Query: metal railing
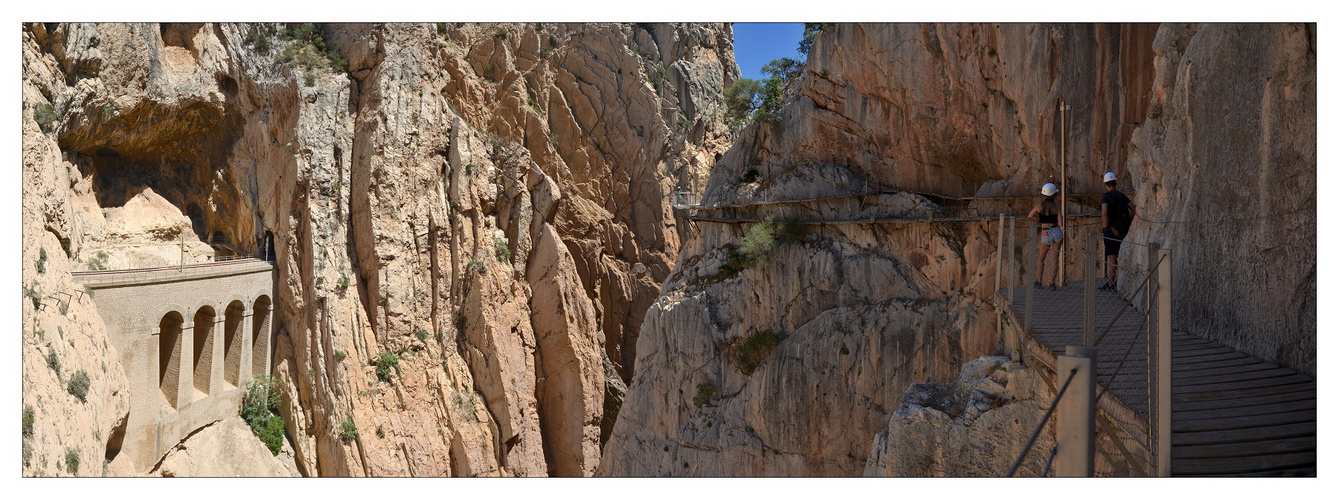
1142, 415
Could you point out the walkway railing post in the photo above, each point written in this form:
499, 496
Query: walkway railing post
1165, 362
1075, 413
1013, 260
999, 263
1089, 289
1031, 275
1151, 337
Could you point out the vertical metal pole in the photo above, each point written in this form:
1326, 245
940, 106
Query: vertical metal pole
1031, 275
999, 263
1075, 412
1089, 290
1013, 264
1061, 265
1151, 338
1165, 363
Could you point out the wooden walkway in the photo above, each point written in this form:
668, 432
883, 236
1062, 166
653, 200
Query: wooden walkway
1232, 414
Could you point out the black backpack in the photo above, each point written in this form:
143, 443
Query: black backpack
1118, 210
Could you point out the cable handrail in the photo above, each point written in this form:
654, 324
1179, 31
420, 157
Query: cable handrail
1037, 432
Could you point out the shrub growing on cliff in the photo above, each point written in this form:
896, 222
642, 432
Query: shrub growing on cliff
705, 392
347, 430
260, 410
53, 362
45, 116
71, 460
752, 351
386, 361
41, 261
501, 250
78, 385
29, 416
811, 31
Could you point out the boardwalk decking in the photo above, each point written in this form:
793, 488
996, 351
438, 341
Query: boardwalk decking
1232, 414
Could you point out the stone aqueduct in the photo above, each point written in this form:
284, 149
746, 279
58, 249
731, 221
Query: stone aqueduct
190, 339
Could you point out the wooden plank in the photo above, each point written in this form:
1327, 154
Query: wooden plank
1243, 384
1242, 392
1262, 408
1187, 380
1244, 423
1244, 402
1300, 429
1207, 358
1231, 465
1244, 360
1190, 353
1243, 449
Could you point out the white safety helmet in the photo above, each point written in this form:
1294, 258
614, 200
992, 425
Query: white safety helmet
1049, 189
1109, 177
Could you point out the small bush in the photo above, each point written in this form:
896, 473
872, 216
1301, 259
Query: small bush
465, 404
381, 433
341, 355
72, 460
309, 79
458, 320
553, 41
386, 361
752, 351
441, 29
29, 416
343, 283
45, 116
422, 335
41, 261
705, 392
476, 265
260, 410
27, 452
749, 176
501, 250
759, 241
78, 385
347, 430
501, 33
53, 362
98, 262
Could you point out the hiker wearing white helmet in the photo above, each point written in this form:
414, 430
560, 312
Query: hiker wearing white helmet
1047, 213
1117, 214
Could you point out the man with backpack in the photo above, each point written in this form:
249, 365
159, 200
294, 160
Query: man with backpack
1117, 214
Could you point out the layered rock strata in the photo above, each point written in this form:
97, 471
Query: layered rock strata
467, 222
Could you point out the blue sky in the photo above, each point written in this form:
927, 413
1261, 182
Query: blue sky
756, 44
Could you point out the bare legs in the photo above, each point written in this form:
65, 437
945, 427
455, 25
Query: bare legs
1046, 258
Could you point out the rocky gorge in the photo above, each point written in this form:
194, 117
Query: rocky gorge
480, 271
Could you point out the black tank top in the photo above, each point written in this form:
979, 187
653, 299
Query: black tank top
1048, 219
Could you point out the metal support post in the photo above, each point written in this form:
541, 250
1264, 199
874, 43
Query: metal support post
1031, 275
999, 263
1075, 412
1013, 264
1089, 289
1151, 339
1165, 363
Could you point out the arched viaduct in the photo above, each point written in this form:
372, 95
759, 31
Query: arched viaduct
190, 339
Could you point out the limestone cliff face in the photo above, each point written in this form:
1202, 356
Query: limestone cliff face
1225, 173
860, 312
485, 203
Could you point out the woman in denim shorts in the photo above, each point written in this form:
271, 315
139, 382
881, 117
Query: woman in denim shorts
1047, 213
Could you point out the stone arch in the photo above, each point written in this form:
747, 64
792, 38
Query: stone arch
202, 362
233, 321
261, 336
169, 356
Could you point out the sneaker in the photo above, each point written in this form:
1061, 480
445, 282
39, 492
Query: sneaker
1036, 284
1052, 287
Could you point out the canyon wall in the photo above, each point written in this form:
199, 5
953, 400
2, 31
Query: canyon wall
858, 312
481, 209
